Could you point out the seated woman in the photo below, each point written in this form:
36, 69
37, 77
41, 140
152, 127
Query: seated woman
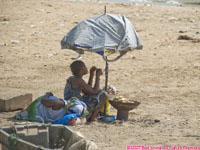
92, 96
49, 108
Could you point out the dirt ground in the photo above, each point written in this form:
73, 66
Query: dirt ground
164, 76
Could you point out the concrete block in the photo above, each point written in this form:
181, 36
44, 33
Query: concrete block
41, 138
16, 100
34, 133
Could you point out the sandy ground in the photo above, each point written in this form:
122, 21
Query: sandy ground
164, 76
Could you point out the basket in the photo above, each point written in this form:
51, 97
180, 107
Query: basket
124, 106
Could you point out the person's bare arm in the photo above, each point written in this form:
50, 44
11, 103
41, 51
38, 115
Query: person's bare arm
87, 88
55, 104
92, 71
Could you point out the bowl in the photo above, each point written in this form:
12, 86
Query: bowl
127, 106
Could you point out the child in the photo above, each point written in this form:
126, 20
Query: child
49, 108
93, 97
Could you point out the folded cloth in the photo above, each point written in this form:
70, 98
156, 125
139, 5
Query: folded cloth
78, 107
65, 119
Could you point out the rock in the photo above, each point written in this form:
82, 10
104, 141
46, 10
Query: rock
185, 37
6, 19
156, 120
14, 100
172, 19
50, 55
5, 22
14, 41
32, 26
49, 5
181, 31
2, 44
62, 25
133, 57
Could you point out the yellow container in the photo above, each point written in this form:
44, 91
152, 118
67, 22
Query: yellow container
107, 108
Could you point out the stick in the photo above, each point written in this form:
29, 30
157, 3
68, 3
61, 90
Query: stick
106, 84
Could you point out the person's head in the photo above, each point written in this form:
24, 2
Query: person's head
78, 68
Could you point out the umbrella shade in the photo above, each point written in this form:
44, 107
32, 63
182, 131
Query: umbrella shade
103, 34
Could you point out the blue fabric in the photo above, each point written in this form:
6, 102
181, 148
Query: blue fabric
65, 119
53, 97
47, 113
77, 109
100, 53
82, 46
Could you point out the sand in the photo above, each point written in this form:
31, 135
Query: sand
164, 76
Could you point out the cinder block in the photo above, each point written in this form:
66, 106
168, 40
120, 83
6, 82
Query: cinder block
10, 101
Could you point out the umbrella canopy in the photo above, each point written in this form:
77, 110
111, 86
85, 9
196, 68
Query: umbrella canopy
104, 34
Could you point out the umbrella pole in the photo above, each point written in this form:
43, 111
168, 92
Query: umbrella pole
106, 85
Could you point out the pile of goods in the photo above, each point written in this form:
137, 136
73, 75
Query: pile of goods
122, 99
121, 103
114, 96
